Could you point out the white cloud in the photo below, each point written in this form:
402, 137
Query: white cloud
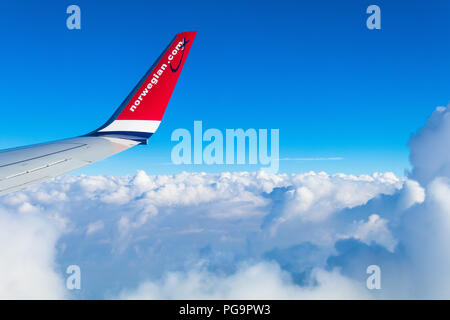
318, 194
258, 281
430, 148
375, 230
27, 250
307, 235
410, 194
425, 234
169, 220
94, 227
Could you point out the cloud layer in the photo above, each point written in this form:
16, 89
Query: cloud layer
236, 235
139, 228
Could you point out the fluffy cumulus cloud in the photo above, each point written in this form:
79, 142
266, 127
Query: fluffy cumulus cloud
27, 250
258, 281
236, 235
190, 229
429, 148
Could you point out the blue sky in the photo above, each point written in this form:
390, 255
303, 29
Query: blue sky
309, 68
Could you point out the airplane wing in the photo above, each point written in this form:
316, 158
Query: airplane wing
133, 123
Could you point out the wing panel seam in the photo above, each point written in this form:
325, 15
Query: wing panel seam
43, 156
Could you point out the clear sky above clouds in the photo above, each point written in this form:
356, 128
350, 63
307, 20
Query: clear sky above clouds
309, 68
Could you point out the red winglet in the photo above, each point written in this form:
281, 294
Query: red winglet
151, 99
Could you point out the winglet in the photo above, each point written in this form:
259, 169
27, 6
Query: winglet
141, 112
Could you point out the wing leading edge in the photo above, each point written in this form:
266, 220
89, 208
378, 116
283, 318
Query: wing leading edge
133, 123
